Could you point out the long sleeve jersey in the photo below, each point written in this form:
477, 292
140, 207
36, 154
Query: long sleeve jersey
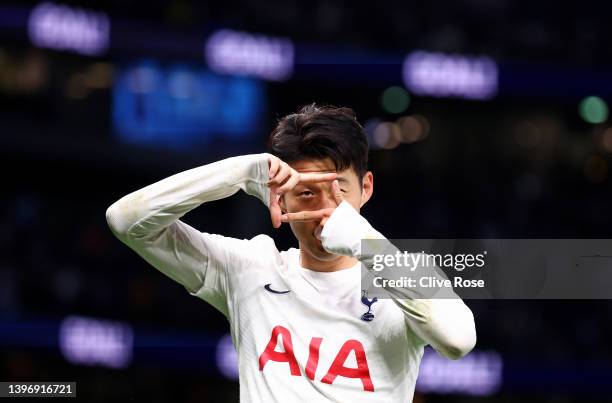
300, 335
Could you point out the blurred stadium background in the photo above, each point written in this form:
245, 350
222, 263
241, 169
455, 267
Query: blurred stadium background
486, 119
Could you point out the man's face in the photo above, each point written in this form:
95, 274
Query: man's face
316, 196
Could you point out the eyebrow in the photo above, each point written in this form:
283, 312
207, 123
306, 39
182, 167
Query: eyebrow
342, 179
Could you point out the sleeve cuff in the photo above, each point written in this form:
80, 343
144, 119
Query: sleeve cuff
344, 230
256, 179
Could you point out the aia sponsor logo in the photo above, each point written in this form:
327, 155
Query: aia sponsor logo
336, 369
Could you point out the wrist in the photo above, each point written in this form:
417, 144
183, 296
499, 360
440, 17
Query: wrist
254, 175
344, 230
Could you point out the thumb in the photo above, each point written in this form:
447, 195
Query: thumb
319, 228
338, 196
275, 210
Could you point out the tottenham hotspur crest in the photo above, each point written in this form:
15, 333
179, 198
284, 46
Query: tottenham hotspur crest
368, 316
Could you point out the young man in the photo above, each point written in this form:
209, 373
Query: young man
302, 329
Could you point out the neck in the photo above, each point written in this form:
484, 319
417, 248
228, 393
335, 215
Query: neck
339, 262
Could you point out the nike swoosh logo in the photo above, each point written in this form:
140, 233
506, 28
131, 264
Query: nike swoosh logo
268, 288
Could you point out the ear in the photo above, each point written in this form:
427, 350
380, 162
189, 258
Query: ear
367, 187
281, 203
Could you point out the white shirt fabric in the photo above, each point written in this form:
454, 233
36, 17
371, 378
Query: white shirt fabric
299, 334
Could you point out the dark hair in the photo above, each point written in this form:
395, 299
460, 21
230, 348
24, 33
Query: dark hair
318, 132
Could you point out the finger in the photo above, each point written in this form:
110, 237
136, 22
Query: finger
283, 173
319, 229
275, 210
274, 163
312, 177
310, 215
293, 180
338, 196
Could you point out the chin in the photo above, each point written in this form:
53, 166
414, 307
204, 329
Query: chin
318, 252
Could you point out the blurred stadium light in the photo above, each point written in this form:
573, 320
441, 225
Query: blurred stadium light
61, 27
479, 373
243, 53
227, 357
91, 341
593, 110
441, 75
182, 105
395, 99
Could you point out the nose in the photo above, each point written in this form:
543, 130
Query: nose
328, 200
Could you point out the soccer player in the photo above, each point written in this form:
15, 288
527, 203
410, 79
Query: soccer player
303, 330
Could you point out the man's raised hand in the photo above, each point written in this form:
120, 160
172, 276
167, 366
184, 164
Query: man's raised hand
321, 215
284, 178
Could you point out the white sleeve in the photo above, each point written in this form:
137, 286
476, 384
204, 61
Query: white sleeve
447, 324
147, 221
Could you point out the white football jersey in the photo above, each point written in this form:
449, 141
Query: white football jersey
301, 335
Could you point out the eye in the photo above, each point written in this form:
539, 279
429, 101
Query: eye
306, 193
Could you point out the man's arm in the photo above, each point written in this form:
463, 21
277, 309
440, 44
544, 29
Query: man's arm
147, 221
447, 324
